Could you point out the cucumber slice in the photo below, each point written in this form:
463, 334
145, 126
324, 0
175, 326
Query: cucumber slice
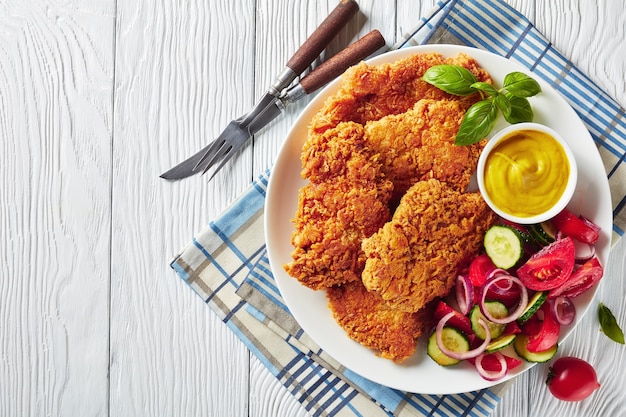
535, 303
504, 246
542, 233
520, 344
500, 343
453, 339
496, 309
549, 230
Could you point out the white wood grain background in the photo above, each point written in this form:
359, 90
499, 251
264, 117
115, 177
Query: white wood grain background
97, 98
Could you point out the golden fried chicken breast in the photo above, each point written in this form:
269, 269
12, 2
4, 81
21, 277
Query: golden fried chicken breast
367, 319
419, 144
385, 141
370, 92
417, 256
344, 202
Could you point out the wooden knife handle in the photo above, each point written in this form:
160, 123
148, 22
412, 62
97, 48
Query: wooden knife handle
336, 65
322, 36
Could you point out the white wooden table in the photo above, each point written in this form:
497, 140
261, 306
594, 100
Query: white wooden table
97, 98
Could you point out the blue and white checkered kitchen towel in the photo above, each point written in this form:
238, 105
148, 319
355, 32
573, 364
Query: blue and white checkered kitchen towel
227, 266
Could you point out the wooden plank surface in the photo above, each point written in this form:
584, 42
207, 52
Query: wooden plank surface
183, 69
56, 72
97, 98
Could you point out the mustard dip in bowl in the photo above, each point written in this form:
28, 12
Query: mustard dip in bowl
527, 173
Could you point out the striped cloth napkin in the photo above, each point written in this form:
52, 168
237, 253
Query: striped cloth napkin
226, 263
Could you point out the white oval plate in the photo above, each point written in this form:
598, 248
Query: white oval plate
419, 373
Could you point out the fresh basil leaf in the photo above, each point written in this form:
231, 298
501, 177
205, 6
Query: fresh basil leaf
609, 325
504, 104
478, 121
521, 85
486, 87
452, 79
521, 111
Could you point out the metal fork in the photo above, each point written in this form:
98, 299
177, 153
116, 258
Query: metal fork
240, 130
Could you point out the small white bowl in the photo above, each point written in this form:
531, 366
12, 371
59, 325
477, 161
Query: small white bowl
544, 186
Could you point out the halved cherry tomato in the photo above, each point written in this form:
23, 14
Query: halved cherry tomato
571, 225
479, 269
572, 379
550, 267
547, 335
581, 280
458, 321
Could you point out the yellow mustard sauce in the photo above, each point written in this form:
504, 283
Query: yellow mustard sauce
526, 173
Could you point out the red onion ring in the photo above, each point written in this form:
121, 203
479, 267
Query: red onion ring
464, 294
496, 272
499, 288
521, 305
584, 252
491, 375
460, 355
563, 310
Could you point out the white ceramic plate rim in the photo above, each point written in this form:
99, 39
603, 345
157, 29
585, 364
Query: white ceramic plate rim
419, 373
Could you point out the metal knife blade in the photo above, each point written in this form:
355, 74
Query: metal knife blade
196, 163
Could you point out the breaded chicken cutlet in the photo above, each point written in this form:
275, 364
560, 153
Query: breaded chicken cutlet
417, 256
419, 144
371, 92
344, 202
382, 132
367, 319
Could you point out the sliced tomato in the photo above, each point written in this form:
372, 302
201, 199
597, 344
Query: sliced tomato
547, 334
507, 296
459, 321
571, 225
511, 328
581, 280
479, 269
550, 267
491, 364
531, 326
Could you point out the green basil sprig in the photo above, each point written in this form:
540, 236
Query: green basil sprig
480, 118
609, 325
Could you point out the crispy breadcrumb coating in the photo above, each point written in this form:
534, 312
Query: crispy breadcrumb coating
385, 141
419, 145
434, 233
367, 319
371, 92
344, 202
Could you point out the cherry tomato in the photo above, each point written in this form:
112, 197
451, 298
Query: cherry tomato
479, 269
573, 226
550, 267
581, 280
572, 379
